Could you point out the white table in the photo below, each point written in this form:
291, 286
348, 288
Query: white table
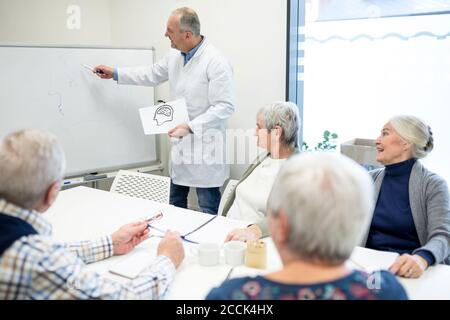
85, 213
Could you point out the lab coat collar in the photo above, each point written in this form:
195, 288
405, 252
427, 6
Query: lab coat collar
202, 47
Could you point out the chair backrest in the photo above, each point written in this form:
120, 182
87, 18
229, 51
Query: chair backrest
142, 185
226, 194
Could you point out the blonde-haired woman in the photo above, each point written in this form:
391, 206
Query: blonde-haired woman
412, 214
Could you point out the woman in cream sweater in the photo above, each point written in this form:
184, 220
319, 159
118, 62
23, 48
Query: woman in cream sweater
277, 128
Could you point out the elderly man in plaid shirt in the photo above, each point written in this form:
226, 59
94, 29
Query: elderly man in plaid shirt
32, 266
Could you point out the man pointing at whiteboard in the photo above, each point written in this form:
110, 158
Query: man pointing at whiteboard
197, 72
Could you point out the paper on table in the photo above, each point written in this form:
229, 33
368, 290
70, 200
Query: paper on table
217, 230
173, 221
161, 118
370, 260
135, 262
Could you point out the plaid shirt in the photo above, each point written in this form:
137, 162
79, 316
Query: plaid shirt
35, 267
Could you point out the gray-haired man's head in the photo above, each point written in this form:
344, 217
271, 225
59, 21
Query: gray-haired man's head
189, 20
30, 162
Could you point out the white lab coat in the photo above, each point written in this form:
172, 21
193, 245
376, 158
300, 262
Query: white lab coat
206, 82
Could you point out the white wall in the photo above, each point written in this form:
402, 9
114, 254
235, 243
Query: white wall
251, 33
44, 22
37, 22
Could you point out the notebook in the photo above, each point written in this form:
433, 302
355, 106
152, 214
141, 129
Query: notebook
370, 260
133, 263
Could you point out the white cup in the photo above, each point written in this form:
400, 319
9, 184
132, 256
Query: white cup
208, 254
235, 252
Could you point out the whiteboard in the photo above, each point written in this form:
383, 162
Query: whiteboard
96, 121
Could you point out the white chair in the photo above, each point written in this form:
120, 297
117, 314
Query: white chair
142, 185
226, 194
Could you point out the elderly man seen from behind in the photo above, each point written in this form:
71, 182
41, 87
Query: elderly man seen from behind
32, 265
318, 208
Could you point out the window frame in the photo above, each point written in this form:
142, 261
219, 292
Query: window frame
294, 56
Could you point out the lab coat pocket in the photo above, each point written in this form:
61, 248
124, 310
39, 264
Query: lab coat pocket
198, 95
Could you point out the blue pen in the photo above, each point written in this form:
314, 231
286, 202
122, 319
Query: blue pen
162, 231
187, 240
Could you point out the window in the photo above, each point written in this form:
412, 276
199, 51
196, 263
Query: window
361, 62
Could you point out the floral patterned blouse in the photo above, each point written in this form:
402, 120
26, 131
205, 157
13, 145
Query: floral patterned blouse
357, 285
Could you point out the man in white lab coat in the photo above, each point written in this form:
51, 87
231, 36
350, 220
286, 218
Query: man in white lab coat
202, 76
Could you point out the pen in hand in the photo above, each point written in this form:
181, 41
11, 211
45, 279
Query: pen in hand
156, 217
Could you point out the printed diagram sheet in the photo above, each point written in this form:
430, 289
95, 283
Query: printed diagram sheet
159, 119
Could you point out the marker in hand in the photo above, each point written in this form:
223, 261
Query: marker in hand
92, 69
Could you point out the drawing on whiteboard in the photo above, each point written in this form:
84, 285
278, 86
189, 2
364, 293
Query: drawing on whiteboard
60, 107
163, 114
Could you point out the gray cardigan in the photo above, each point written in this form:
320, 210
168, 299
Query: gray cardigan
429, 200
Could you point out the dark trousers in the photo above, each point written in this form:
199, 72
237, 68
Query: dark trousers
208, 198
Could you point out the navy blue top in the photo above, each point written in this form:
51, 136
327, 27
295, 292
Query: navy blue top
357, 285
12, 229
393, 227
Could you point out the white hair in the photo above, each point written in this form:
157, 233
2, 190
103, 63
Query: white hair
328, 199
189, 20
284, 114
416, 132
30, 161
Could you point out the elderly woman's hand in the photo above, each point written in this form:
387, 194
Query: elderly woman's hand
409, 266
252, 232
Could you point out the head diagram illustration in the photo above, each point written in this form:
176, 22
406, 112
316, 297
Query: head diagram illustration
163, 114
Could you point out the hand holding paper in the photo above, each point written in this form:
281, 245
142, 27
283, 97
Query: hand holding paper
180, 131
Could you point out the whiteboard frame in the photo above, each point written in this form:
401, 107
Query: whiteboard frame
110, 171
50, 45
